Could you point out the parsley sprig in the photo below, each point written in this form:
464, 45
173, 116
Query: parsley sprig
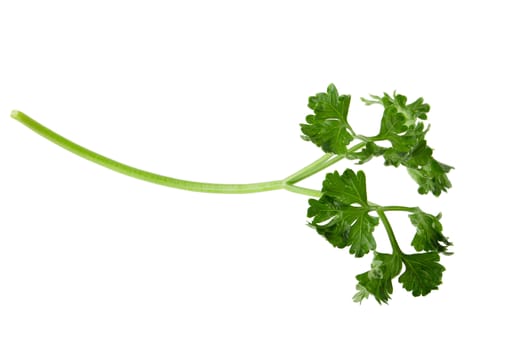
341, 211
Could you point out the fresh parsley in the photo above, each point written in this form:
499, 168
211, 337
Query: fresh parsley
341, 211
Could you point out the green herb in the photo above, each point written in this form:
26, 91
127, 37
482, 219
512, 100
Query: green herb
341, 211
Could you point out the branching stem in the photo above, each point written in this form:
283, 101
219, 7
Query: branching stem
286, 184
390, 232
312, 168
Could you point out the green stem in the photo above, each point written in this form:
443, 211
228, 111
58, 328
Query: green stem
377, 138
142, 174
352, 132
302, 190
308, 170
399, 208
312, 169
391, 237
355, 148
363, 138
320, 164
286, 184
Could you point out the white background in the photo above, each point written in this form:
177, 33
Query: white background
214, 91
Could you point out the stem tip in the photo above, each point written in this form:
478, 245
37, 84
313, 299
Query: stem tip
15, 114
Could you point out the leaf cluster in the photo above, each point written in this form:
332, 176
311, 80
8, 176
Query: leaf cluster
403, 127
346, 218
422, 274
342, 216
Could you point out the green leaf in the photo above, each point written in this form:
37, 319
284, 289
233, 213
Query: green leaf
328, 127
370, 151
361, 239
406, 141
378, 280
408, 153
341, 214
361, 294
418, 109
349, 188
423, 273
392, 123
401, 127
334, 220
330, 104
429, 235
411, 112
374, 99
393, 157
431, 177
419, 155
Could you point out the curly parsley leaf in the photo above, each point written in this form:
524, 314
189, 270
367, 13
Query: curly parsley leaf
370, 151
401, 125
423, 273
350, 187
378, 280
328, 127
429, 235
411, 112
341, 215
362, 294
393, 123
432, 177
